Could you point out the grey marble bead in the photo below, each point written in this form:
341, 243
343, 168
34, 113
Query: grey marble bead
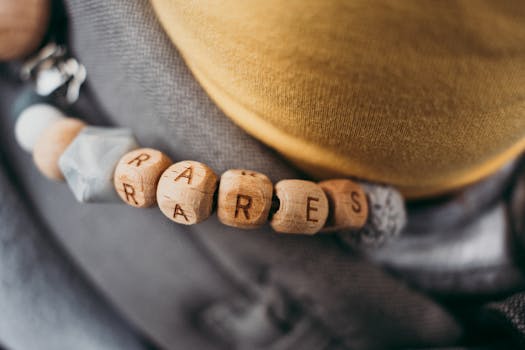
89, 162
386, 219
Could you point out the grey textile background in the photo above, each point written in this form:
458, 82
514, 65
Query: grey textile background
45, 301
166, 278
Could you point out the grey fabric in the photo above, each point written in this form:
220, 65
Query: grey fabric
474, 257
165, 277
141, 81
45, 303
509, 312
151, 275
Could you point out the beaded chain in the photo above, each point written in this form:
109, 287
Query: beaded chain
102, 164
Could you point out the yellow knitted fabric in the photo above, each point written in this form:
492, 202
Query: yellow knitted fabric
428, 96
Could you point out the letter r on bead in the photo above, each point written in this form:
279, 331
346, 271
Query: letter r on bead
139, 159
244, 206
129, 191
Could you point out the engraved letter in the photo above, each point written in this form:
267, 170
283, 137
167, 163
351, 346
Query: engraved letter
187, 173
139, 159
129, 191
247, 205
309, 208
356, 205
178, 211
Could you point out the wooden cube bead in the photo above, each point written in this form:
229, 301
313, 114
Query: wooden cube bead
52, 143
23, 24
245, 198
303, 207
185, 192
348, 205
137, 175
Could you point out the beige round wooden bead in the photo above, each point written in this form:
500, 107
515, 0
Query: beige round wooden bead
52, 143
185, 192
348, 205
23, 24
245, 198
137, 175
303, 207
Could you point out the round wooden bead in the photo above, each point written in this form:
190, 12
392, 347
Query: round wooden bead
185, 192
137, 175
348, 205
52, 143
245, 198
23, 24
303, 207
32, 122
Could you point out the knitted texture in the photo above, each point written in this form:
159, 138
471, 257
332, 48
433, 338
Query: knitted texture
386, 219
427, 96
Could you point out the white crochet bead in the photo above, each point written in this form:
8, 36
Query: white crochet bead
32, 122
90, 160
386, 217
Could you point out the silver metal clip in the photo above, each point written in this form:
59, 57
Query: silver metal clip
51, 69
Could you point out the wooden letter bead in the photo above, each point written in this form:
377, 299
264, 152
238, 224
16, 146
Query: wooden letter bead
32, 122
52, 143
348, 205
245, 198
185, 192
23, 24
137, 175
303, 207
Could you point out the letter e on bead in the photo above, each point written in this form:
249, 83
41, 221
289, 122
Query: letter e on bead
309, 208
303, 207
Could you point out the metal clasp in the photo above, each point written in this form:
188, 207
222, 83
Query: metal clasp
52, 69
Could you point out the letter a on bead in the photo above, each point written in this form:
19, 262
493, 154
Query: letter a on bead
187, 173
185, 192
178, 211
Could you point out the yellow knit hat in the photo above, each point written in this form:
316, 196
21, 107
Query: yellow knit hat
428, 96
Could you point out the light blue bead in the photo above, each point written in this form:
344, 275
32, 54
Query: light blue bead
89, 162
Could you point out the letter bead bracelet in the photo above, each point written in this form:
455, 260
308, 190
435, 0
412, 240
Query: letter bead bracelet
104, 164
